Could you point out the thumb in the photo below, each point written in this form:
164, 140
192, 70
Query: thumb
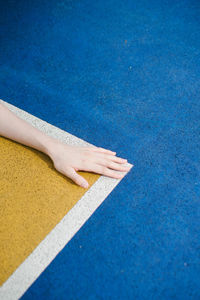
71, 173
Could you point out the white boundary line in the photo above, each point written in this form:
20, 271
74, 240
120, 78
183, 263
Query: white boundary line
54, 242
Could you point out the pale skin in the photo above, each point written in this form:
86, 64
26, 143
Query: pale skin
67, 159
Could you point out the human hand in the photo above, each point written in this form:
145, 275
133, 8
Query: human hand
70, 159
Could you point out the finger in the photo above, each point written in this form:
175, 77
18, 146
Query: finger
112, 158
71, 173
102, 150
114, 166
107, 172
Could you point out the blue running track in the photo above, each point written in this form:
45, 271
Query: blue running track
123, 75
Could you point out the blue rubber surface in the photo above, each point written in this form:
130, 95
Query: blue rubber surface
123, 75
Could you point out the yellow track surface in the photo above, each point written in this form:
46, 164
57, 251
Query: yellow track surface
34, 197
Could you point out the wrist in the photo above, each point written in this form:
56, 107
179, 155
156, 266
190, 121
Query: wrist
46, 144
49, 146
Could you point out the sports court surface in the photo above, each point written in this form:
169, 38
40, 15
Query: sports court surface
125, 76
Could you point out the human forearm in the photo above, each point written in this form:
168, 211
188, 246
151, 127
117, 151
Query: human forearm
15, 128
